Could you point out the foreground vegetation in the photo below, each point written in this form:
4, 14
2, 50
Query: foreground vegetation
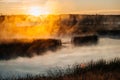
100, 70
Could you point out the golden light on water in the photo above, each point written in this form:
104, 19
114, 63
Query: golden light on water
36, 11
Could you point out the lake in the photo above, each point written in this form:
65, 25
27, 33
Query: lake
106, 48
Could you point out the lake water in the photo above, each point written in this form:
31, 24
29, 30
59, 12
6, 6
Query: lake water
68, 55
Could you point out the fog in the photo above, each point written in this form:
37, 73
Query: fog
29, 28
69, 55
46, 26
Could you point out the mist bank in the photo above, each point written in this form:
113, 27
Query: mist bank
67, 55
13, 27
22, 35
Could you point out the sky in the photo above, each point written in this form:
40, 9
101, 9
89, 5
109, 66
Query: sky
61, 6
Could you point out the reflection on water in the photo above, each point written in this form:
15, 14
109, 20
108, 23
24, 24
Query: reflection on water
69, 55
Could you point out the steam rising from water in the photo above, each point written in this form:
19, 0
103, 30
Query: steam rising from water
51, 26
31, 28
69, 55
46, 26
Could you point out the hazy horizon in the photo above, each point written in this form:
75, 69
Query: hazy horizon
60, 6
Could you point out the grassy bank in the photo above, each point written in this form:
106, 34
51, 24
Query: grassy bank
100, 70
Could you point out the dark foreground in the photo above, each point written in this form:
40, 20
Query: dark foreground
100, 70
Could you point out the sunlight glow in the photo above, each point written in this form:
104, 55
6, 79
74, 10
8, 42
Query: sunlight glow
36, 11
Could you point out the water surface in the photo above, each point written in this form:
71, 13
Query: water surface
106, 49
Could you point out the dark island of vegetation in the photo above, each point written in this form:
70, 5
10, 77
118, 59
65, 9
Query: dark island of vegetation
85, 40
27, 49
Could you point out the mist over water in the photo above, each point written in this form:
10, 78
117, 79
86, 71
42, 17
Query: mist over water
68, 55
25, 34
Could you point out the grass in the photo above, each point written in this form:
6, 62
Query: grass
100, 70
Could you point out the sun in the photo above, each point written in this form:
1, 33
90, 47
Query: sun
36, 11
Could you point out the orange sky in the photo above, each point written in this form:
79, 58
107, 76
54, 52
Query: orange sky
61, 6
